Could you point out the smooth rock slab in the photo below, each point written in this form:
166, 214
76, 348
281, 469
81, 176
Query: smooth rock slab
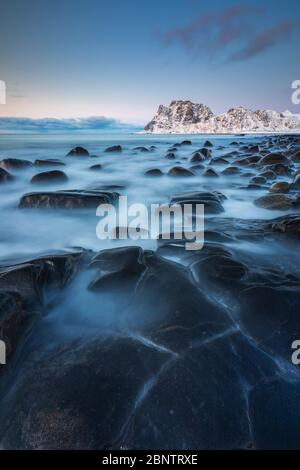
67, 199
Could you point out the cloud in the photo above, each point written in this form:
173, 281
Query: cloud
232, 34
51, 125
264, 40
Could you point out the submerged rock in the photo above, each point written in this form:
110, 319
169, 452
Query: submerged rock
280, 187
96, 167
154, 172
49, 162
279, 202
274, 158
296, 182
114, 148
15, 164
54, 176
180, 171
231, 170
210, 173
78, 152
75, 199
197, 157
5, 176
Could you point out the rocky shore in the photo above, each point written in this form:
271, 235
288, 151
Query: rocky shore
137, 348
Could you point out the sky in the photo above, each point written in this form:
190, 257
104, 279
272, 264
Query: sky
120, 59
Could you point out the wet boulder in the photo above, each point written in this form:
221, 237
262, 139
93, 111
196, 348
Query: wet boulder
207, 143
197, 157
268, 174
289, 225
96, 167
212, 201
278, 169
5, 176
55, 176
186, 142
49, 162
114, 149
296, 182
15, 164
219, 267
180, 171
76, 199
278, 202
231, 170
170, 156
295, 157
141, 149
78, 152
280, 187
258, 180
218, 161
154, 172
273, 159
117, 269
209, 172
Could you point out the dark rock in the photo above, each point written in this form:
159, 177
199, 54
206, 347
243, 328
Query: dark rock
219, 267
280, 187
5, 176
55, 176
207, 143
154, 172
218, 161
206, 152
274, 158
118, 269
141, 149
196, 167
279, 169
276, 202
296, 182
231, 170
269, 175
170, 156
75, 199
289, 225
96, 167
78, 152
15, 164
211, 201
49, 162
296, 157
258, 180
186, 142
197, 157
114, 148
180, 171
210, 173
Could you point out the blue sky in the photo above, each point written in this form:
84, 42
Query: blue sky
121, 59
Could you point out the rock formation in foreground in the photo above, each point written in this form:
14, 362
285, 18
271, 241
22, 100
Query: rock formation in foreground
185, 117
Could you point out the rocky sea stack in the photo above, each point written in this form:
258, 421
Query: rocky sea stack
185, 117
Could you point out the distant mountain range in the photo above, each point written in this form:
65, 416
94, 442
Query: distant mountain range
185, 117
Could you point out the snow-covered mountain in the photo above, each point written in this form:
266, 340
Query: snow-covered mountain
185, 117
